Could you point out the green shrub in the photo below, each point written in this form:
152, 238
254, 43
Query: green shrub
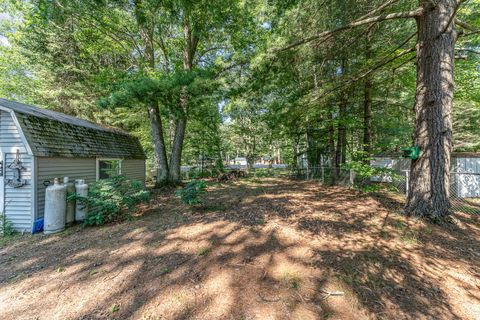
190, 194
112, 199
198, 173
262, 173
364, 172
6, 228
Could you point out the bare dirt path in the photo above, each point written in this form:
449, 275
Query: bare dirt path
269, 249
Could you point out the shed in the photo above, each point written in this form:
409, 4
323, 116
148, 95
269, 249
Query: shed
466, 174
37, 145
465, 171
389, 161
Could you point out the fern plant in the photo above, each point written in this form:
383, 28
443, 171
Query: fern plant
112, 199
190, 194
6, 228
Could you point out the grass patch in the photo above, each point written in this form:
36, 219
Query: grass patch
165, 270
409, 237
204, 251
399, 225
114, 308
352, 279
60, 269
262, 221
427, 230
5, 240
292, 280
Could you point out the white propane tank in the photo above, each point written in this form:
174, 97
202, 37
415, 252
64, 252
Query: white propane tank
81, 188
55, 208
70, 217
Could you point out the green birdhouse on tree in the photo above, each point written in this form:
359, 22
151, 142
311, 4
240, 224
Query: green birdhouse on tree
411, 152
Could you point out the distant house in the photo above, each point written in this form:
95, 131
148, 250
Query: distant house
242, 161
37, 145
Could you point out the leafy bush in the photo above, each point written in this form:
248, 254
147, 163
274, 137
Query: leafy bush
364, 172
6, 228
112, 199
190, 194
264, 172
197, 173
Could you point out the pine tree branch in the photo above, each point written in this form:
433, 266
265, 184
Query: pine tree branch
462, 33
471, 33
452, 17
464, 25
354, 24
386, 59
468, 50
403, 63
379, 9
366, 73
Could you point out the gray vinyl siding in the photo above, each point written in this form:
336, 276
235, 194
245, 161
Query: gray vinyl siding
18, 201
77, 168
10, 138
50, 168
134, 169
466, 185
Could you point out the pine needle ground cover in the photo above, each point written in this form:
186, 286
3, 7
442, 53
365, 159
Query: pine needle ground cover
260, 249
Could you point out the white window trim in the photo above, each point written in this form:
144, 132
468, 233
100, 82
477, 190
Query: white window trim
97, 165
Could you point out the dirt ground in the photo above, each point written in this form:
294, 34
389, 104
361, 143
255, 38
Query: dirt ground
258, 249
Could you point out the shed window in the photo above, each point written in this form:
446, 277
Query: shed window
109, 168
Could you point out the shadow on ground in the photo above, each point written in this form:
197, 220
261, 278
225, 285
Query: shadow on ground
257, 249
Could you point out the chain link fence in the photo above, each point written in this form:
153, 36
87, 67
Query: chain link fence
326, 175
465, 192
390, 187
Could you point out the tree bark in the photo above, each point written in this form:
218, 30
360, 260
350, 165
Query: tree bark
146, 34
158, 143
177, 147
367, 106
332, 150
190, 45
341, 150
429, 178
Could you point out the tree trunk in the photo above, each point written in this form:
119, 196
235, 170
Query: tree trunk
340, 155
367, 120
251, 152
296, 152
367, 107
146, 35
190, 45
332, 150
429, 178
158, 143
177, 148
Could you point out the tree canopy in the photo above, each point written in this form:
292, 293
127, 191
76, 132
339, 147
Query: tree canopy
332, 81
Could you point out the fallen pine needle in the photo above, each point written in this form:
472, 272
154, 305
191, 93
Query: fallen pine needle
331, 293
268, 299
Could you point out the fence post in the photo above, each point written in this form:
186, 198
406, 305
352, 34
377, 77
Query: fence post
307, 172
323, 175
352, 177
407, 178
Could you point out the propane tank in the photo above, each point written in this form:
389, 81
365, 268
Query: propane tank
70, 217
55, 208
81, 188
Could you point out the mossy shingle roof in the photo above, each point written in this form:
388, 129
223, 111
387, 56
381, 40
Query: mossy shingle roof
54, 134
